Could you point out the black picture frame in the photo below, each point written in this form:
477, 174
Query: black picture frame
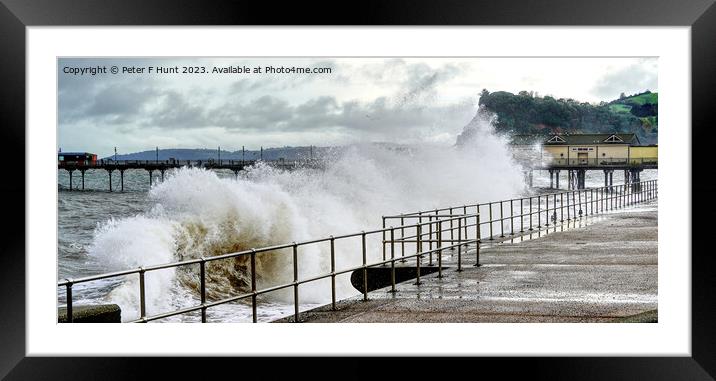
16, 15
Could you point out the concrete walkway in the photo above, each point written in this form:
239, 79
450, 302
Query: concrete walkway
603, 270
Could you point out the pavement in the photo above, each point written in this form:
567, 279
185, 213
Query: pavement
597, 269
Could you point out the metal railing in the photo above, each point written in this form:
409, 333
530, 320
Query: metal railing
254, 293
178, 163
534, 212
449, 227
602, 162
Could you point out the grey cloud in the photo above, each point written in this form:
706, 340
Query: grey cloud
125, 106
119, 101
244, 85
632, 79
174, 111
421, 85
379, 117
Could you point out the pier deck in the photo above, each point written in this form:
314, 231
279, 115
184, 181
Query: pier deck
596, 273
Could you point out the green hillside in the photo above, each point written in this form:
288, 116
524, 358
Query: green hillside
642, 99
527, 113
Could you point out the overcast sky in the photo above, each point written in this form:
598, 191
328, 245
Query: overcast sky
402, 100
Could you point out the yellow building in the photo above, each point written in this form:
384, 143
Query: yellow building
590, 149
643, 154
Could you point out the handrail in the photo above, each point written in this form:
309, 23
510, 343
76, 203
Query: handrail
607, 198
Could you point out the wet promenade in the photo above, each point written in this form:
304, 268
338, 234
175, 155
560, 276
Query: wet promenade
602, 269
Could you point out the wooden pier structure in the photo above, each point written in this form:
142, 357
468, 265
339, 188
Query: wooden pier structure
161, 166
577, 170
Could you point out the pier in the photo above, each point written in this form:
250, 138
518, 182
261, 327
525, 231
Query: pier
577, 170
160, 167
578, 153
586, 255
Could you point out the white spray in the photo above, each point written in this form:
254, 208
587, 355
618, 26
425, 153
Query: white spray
196, 213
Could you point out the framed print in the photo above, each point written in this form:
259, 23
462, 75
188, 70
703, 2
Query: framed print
485, 177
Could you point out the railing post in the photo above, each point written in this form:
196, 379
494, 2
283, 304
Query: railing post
561, 207
477, 238
464, 213
512, 218
383, 233
70, 318
539, 213
333, 268
365, 269
142, 301
554, 215
439, 247
522, 216
574, 205
502, 222
430, 238
452, 229
531, 212
611, 197
546, 207
419, 232
491, 235
392, 257
402, 238
418, 251
295, 283
254, 315
459, 245
568, 217
202, 288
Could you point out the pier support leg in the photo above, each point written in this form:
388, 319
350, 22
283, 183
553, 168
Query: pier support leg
556, 173
83, 178
580, 179
551, 179
150, 177
121, 179
611, 180
635, 179
236, 173
110, 179
162, 171
531, 178
70, 172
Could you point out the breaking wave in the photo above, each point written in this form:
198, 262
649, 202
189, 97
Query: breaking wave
196, 212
